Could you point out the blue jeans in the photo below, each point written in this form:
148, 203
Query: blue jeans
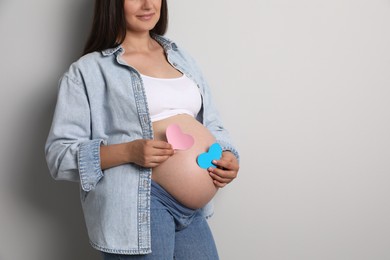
177, 232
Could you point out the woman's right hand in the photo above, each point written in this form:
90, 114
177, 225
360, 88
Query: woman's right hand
146, 153
149, 153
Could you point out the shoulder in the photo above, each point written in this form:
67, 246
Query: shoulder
86, 61
86, 66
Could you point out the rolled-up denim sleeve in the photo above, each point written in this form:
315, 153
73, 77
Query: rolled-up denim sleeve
71, 153
89, 164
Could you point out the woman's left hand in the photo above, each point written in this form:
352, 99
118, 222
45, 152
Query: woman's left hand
226, 171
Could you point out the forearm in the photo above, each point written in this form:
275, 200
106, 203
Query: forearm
145, 153
114, 155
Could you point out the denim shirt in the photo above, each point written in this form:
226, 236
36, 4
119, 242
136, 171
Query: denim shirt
101, 101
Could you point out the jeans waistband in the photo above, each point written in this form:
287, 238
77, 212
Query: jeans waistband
182, 215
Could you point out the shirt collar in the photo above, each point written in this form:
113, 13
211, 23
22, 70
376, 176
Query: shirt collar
165, 43
111, 51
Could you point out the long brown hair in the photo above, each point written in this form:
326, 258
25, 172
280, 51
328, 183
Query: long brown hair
109, 25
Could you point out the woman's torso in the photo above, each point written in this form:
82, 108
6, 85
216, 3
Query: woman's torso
180, 175
168, 94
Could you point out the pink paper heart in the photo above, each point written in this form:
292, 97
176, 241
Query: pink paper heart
178, 139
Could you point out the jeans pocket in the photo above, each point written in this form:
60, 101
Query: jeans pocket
83, 194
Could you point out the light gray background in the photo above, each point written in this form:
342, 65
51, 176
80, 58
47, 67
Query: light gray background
303, 87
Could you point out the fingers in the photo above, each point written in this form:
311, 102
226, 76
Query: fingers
226, 170
156, 161
159, 148
222, 175
218, 181
157, 156
160, 144
150, 153
162, 151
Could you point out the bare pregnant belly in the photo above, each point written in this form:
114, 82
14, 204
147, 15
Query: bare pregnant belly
180, 175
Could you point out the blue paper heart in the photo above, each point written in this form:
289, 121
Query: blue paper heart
215, 153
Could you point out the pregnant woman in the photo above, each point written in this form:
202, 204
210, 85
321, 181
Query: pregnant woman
142, 197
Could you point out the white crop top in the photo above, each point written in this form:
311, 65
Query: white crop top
170, 97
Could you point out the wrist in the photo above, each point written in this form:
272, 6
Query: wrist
129, 147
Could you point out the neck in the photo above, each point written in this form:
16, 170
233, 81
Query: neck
138, 42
